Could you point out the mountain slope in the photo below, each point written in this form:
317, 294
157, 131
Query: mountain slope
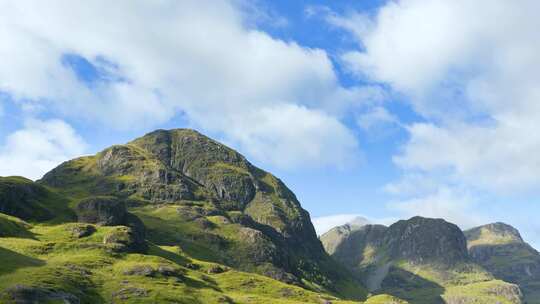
169, 191
500, 249
421, 260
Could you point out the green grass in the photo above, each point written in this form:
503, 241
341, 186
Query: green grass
13, 227
463, 283
55, 260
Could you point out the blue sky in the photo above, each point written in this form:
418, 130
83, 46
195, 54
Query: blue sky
385, 109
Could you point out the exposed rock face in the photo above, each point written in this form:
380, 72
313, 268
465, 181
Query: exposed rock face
500, 249
124, 239
424, 240
352, 245
493, 233
111, 211
105, 211
416, 260
417, 240
172, 166
208, 184
80, 230
26, 294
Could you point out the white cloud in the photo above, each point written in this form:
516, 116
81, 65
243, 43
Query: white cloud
454, 206
195, 57
376, 117
39, 147
412, 184
324, 223
294, 135
471, 69
501, 159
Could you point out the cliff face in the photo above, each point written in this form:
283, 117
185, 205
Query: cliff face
208, 197
421, 260
424, 240
499, 248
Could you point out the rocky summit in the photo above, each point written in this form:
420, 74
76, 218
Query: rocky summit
421, 260
500, 249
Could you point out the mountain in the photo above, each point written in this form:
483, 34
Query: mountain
421, 260
173, 216
499, 248
334, 237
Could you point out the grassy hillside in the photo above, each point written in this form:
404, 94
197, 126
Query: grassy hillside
500, 249
51, 263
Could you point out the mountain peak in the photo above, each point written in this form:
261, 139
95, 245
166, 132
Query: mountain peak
197, 179
494, 233
420, 240
359, 221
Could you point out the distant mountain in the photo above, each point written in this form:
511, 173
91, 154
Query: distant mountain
499, 248
359, 221
421, 260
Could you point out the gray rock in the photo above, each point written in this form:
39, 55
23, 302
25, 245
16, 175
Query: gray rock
81, 230
21, 294
100, 210
124, 239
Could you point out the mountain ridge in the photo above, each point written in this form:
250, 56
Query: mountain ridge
175, 216
421, 260
500, 249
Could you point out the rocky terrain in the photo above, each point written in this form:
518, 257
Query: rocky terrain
499, 248
176, 217
421, 260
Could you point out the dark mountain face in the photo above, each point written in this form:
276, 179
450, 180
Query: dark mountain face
417, 240
500, 249
424, 240
211, 198
29, 201
421, 260
354, 245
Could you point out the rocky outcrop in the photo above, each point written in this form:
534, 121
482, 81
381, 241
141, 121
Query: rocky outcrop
124, 239
499, 248
111, 211
105, 211
417, 260
417, 240
27, 294
353, 244
425, 240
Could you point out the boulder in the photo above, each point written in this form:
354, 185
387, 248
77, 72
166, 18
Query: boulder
124, 239
22, 294
101, 210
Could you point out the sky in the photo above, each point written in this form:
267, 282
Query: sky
381, 109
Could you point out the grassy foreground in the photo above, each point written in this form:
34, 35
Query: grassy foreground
49, 258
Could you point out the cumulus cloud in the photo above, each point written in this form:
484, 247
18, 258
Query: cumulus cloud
377, 117
38, 147
448, 203
203, 59
323, 224
471, 69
